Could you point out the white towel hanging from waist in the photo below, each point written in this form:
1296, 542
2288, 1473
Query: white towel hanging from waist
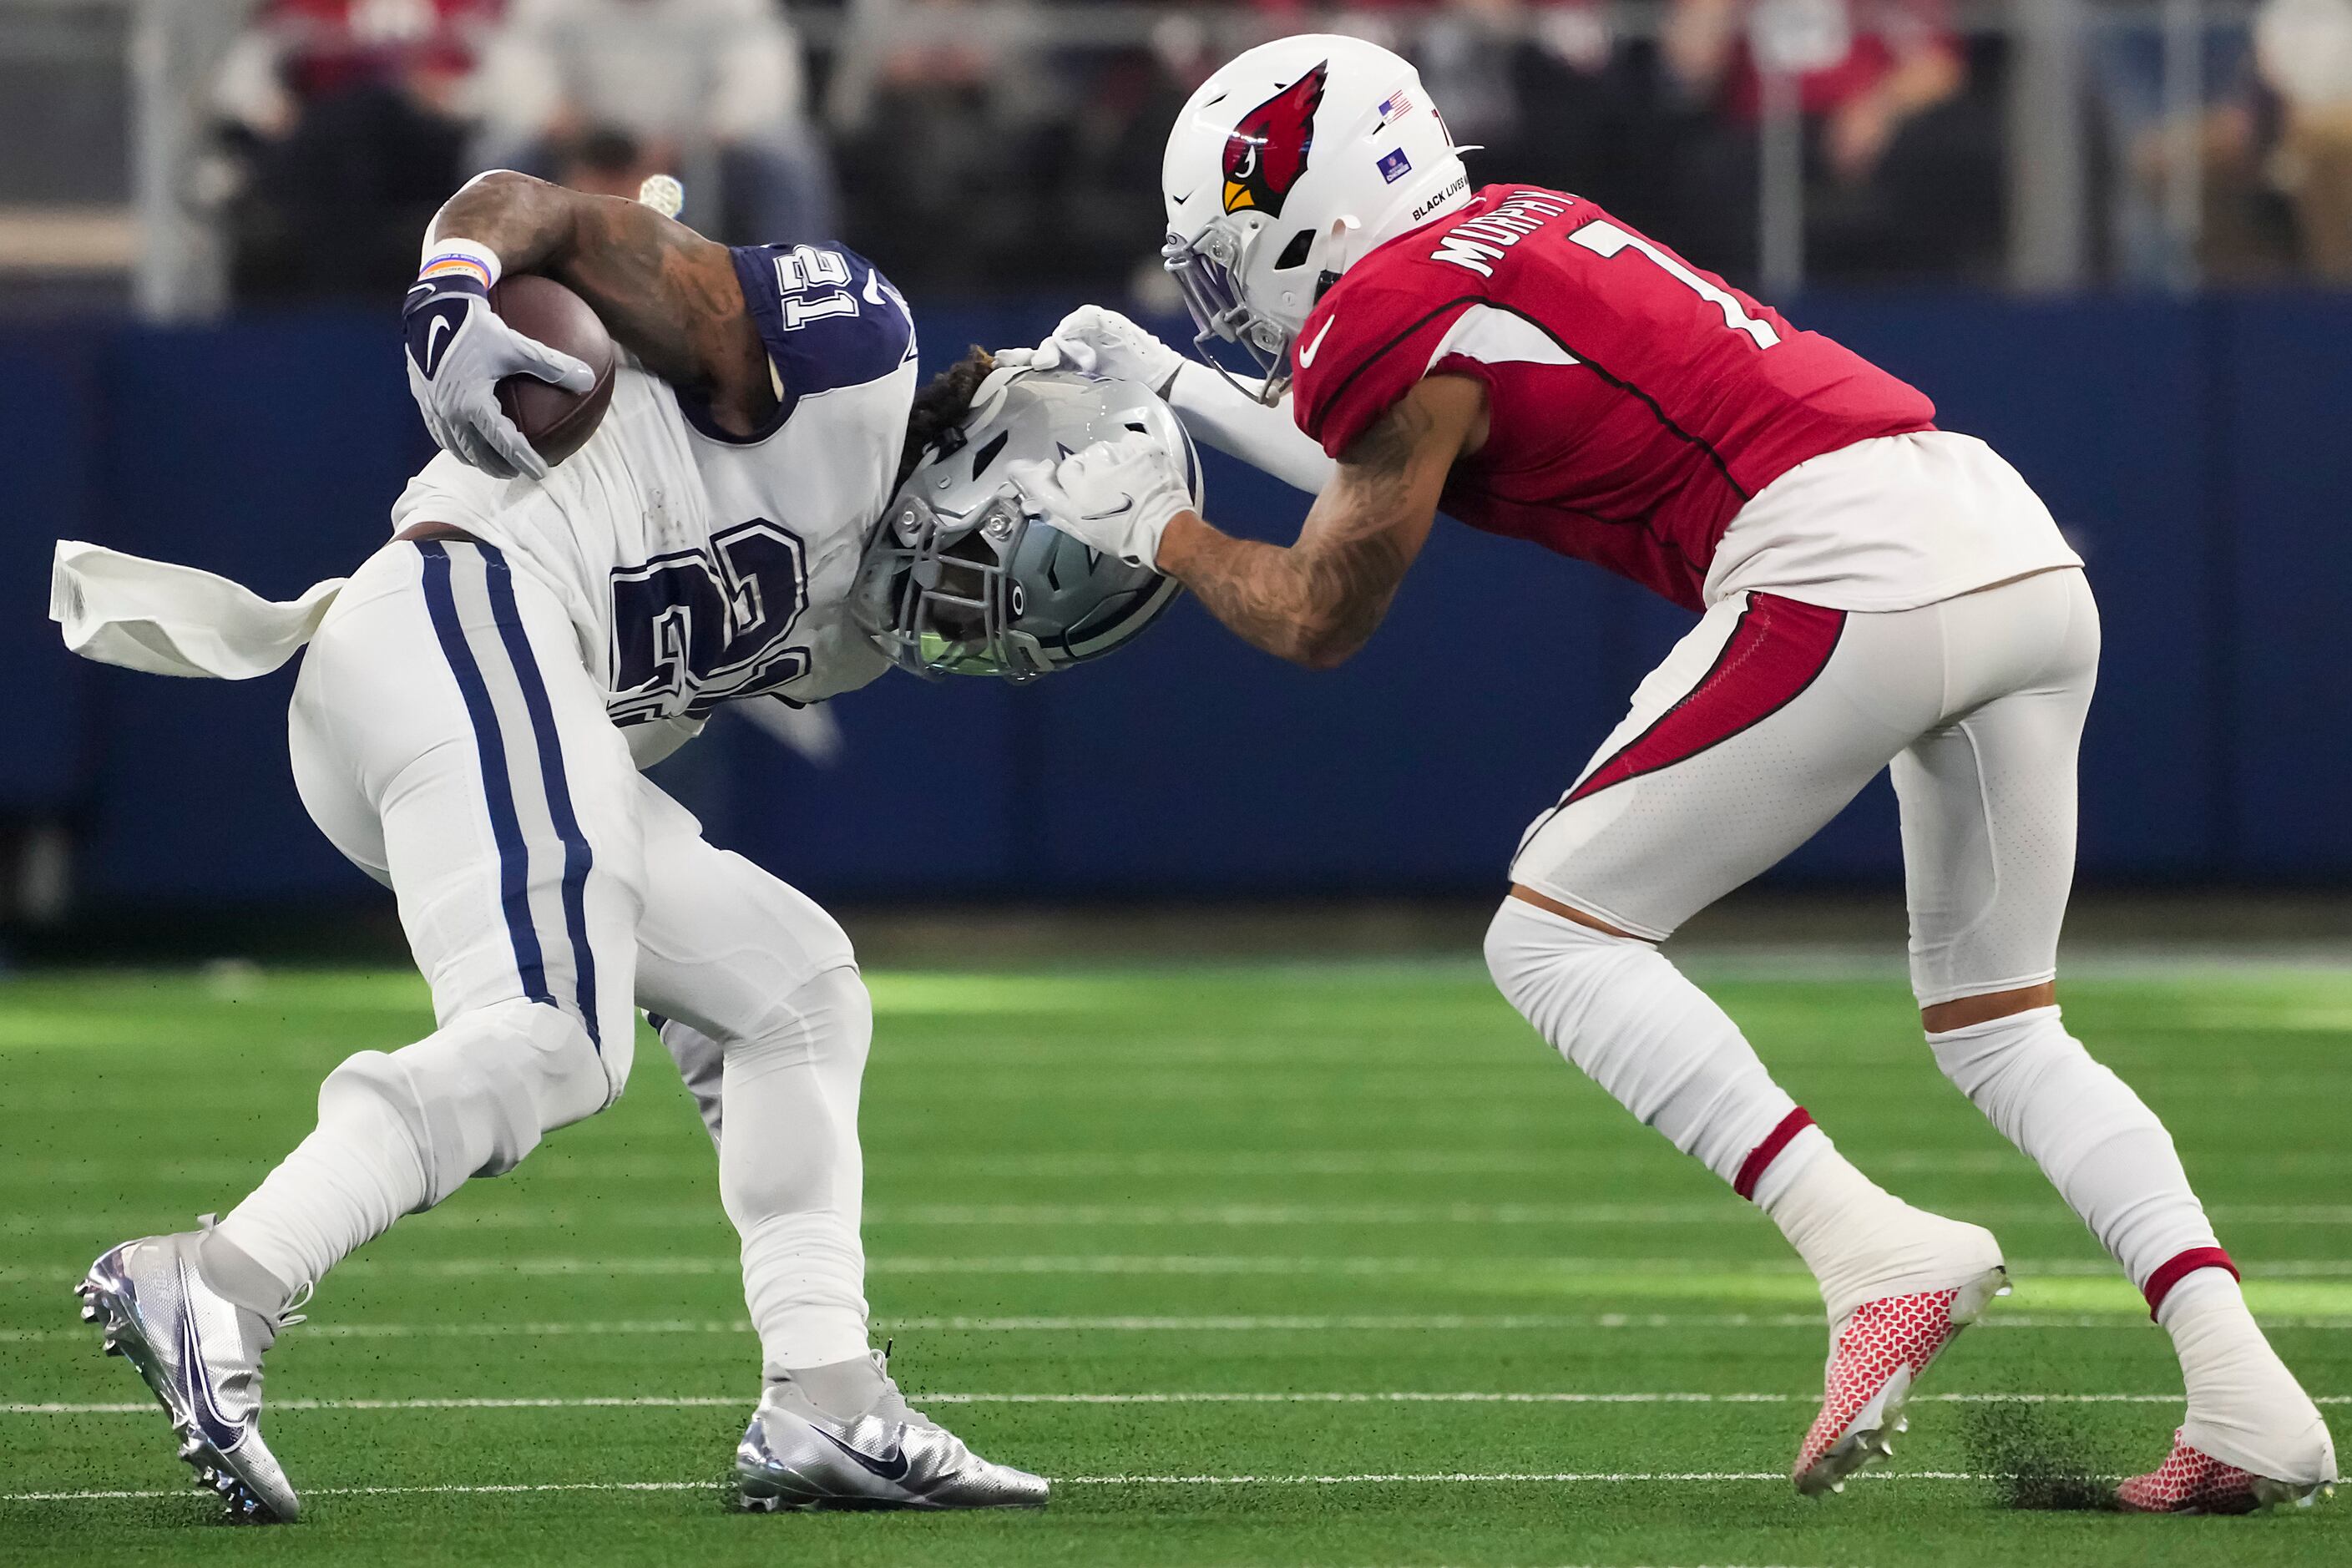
175, 620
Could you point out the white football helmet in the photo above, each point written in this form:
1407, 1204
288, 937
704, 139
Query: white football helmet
1285, 169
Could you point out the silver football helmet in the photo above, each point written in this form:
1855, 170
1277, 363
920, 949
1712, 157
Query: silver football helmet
960, 577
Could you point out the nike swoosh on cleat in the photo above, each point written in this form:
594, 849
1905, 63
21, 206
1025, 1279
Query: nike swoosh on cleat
218, 1430
893, 1468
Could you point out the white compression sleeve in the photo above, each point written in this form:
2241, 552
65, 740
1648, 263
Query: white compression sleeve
2099, 1144
791, 1177
1618, 1009
1266, 438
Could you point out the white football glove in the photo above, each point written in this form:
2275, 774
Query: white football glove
1095, 342
458, 352
1116, 496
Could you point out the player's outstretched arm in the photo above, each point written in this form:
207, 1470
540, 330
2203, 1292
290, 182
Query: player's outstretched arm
665, 292
1215, 409
1318, 602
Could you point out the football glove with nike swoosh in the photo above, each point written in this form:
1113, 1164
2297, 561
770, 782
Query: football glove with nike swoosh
458, 352
1117, 496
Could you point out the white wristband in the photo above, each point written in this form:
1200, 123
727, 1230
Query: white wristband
455, 259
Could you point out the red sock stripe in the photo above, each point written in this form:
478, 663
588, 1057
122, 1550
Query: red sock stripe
1752, 1170
2174, 1270
1779, 648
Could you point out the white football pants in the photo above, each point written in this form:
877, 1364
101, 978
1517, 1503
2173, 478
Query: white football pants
1761, 726
1770, 716
448, 739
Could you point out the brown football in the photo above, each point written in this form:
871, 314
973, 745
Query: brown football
555, 422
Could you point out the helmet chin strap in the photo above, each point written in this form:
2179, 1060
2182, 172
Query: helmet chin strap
1343, 247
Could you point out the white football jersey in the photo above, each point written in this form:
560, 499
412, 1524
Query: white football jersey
698, 567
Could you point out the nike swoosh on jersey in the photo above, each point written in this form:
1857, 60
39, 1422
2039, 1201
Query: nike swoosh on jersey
1306, 355
892, 1468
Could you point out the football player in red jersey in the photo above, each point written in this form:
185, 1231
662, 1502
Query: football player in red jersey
1872, 592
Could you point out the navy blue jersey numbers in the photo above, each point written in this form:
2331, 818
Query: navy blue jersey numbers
694, 629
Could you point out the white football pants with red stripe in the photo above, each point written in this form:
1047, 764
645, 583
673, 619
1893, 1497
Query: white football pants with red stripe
1759, 728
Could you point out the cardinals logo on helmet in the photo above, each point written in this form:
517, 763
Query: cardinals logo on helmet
1266, 152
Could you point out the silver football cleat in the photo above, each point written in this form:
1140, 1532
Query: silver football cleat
201, 1355
798, 1455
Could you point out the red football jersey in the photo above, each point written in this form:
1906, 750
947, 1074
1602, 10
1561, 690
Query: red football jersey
1635, 403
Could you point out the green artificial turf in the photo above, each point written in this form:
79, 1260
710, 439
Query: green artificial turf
1253, 1182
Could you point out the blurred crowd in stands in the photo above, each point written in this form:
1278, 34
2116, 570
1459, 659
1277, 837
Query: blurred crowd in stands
973, 145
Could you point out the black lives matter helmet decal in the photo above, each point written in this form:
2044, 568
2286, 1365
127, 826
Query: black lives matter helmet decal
1266, 152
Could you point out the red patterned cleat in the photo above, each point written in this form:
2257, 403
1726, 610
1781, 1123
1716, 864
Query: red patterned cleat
1877, 1356
2193, 1481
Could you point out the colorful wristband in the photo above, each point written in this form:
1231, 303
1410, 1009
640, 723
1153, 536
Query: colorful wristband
459, 262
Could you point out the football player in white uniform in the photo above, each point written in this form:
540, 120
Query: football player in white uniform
469, 726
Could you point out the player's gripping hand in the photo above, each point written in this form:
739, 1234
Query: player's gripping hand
458, 352
1116, 496
1095, 342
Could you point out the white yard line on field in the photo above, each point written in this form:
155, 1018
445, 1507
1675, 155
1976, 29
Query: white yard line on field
1438, 1478
677, 1217
1559, 1162
1218, 1396
1438, 1322
1275, 1264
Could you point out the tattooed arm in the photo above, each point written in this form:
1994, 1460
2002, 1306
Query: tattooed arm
665, 294
1318, 601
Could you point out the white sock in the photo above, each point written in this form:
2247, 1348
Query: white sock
1636, 1025
2101, 1147
399, 1131
341, 1188
1861, 1242
792, 1176
2245, 1407
1640, 1029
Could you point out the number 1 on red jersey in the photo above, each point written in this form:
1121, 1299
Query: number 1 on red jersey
1604, 239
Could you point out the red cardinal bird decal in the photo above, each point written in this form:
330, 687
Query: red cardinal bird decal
1266, 152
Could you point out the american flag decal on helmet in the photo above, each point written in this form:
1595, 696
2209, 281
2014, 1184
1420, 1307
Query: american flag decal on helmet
1396, 106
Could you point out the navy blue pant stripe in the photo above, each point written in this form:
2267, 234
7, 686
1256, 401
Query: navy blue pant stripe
576, 856
514, 856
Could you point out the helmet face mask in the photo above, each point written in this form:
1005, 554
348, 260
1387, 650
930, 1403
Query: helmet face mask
960, 578
942, 593
1207, 272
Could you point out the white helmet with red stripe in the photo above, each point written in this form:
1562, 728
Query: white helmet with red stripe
1283, 169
